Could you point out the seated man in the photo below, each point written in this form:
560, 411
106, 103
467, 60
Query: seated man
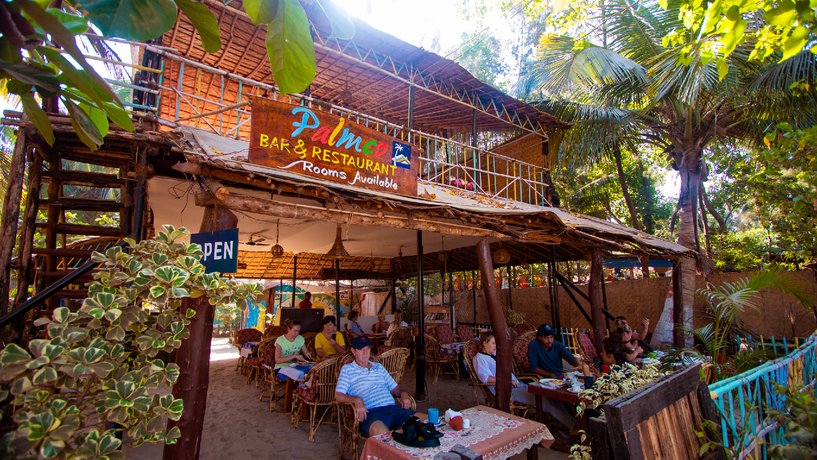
545, 354
372, 390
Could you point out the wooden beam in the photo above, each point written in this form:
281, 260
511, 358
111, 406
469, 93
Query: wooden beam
80, 204
415, 221
24, 272
500, 326
193, 357
11, 213
77, 229
596, 302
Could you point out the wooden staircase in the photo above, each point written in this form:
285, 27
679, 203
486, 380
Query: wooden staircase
86, 205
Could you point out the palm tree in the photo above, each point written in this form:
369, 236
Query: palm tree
639, 90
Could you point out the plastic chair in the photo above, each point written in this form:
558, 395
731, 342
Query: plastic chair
319, 394
436, 358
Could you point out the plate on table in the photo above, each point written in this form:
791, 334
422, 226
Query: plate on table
570, 389
552, 383
441, 423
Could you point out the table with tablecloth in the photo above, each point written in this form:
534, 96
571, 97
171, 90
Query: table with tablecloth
248, 349
493, 433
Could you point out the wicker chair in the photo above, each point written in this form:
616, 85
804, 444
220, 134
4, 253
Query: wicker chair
269, 378
394, 361
241, 337
464, 332
275, 331
436, 358
320, 394
521, 367
469, 351
527, 336
444, 334
349, 434
522, 328
588, 350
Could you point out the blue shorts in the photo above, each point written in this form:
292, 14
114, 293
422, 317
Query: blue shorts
392, 416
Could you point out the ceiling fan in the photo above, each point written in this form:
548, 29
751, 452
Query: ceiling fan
256, 242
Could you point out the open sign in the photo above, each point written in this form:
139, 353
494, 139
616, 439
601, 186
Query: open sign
220, 250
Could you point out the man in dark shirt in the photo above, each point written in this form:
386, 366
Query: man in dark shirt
545, 354
307, 302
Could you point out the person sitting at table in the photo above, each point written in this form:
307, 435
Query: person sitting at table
545, 354
307, 302
290, 348
637, 335
372, 390
623, 347
353, 327
397, 323
329, 341
381, 326
485, 368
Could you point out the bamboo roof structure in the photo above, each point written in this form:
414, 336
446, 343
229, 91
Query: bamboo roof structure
370, 74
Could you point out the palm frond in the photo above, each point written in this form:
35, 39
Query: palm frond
567, 64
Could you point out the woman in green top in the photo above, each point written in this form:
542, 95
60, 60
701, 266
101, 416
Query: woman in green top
290, 347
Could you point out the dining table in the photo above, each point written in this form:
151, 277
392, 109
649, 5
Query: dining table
295, 377
492, 433
560, 393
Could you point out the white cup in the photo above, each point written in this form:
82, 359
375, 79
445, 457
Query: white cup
466, 423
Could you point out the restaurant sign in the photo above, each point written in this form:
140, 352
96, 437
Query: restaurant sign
318, 144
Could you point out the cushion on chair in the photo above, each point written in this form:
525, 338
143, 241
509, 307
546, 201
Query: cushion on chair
586, 345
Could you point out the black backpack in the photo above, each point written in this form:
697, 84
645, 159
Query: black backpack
417, 434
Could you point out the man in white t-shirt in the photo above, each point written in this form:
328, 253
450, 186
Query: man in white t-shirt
372, 390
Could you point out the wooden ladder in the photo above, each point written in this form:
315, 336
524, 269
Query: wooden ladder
86, 205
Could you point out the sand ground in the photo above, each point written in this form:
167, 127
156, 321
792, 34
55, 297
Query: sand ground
237, 426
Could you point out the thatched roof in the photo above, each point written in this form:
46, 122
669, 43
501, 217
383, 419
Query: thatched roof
370, 74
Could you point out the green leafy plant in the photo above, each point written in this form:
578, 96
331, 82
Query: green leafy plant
34, 39
799, 422
622, 379
101, 366
724, 305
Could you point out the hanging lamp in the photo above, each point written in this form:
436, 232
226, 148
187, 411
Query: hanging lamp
277, 250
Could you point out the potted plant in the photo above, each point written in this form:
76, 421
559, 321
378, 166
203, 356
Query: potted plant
100, 371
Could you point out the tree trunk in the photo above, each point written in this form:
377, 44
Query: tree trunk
500, 326
11, 214
193, 358
595, 294
687, 237
625, 192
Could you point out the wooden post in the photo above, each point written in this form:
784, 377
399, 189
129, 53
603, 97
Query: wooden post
24, 274
503, 339
294, 277
11, 213
193, 357
420, 367
337, 295
677, 306
596, 302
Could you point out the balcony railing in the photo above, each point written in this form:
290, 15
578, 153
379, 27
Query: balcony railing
218, 101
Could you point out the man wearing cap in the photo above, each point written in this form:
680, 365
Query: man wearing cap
372, 390
545, 354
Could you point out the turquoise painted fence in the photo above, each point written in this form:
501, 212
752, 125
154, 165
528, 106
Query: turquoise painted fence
744, 401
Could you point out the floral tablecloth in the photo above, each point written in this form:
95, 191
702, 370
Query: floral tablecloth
494, 434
